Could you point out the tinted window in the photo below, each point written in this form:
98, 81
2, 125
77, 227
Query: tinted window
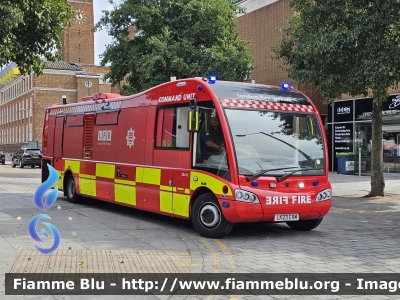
33, 151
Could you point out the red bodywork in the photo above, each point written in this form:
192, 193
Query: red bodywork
67, 137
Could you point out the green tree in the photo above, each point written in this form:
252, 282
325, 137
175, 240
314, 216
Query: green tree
182, 38
346, 47
31, 30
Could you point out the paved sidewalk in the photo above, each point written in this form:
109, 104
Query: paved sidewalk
94, 240
355, 185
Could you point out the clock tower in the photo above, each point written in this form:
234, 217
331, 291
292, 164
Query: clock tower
78, 40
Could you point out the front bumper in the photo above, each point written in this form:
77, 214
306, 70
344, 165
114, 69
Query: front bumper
242, 212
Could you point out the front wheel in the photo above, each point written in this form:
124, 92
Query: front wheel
207, 217
21, 165
72, 196
304, 225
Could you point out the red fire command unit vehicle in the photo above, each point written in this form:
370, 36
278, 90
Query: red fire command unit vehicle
267, 160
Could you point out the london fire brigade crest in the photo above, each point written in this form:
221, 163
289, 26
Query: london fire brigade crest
130, 138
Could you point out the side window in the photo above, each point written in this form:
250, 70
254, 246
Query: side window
172, 128
210, 150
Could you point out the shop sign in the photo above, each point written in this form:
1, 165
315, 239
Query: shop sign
344, 136
343, 111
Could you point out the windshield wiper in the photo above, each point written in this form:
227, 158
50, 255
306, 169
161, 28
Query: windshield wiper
258, 174
283, 177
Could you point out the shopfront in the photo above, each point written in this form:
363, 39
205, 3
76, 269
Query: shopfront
350, 128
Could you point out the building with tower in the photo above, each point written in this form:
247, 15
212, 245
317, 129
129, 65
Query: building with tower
23, 98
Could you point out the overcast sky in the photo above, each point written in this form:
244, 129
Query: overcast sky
101, 38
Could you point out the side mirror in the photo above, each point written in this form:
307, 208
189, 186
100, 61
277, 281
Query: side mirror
193, 117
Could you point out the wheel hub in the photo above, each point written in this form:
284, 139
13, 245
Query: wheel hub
209, 215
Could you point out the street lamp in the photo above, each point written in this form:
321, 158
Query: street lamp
29, 124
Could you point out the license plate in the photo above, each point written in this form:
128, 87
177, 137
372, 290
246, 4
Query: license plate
34, 156
286, 217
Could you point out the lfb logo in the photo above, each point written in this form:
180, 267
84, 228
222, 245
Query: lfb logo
343, 110
45, 205
104, 135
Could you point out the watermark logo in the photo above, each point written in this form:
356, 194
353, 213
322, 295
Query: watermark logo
45, 205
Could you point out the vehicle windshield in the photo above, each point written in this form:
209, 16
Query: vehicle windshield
276, 140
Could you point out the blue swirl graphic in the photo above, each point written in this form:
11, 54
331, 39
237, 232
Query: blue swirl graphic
32, 232
43, 188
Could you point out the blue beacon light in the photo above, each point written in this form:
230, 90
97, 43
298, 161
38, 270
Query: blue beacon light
285, 86
212, 78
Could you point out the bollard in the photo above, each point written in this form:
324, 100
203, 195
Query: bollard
359, 161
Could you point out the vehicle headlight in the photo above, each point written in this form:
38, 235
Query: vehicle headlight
324, 195
239, 195
246, 196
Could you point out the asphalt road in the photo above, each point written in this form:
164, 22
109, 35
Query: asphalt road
357, 236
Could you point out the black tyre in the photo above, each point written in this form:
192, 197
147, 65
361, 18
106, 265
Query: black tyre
70, 190
32, 166
3, 162
13, 163
207, 217
21, 165
304, 225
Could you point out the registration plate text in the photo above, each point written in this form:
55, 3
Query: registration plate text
286, 217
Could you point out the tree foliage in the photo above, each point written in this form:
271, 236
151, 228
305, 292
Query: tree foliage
182, 38
31, 30
346, 47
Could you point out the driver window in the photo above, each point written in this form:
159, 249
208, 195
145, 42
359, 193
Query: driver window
211, 155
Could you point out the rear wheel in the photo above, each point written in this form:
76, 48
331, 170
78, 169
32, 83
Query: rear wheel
304, 225
70, 189
207, 217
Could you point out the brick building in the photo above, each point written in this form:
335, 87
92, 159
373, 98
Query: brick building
23, 98
261, 26
348, 124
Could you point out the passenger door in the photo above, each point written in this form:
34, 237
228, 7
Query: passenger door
172, 153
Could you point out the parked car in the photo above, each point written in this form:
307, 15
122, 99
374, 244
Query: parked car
2, 157
27, 157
